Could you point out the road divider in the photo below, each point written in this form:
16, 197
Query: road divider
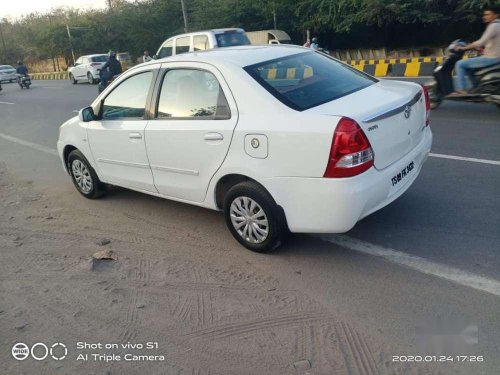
49, 76
410, 67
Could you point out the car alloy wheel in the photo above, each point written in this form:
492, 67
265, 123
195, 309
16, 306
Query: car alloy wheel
82, 176
90, 78
249, 220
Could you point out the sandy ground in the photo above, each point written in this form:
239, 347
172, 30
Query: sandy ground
209, 310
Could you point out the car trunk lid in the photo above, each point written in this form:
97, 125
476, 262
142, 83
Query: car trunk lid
392, 115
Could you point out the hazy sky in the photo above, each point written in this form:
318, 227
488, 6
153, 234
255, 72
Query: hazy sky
11, 8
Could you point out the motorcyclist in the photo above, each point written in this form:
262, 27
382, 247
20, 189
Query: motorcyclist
110, 69
21, 70
490, 40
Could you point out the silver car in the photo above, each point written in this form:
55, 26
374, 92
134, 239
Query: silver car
7, 73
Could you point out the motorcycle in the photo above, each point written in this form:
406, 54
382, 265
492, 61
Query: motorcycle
486, 81
24, 81
104, 82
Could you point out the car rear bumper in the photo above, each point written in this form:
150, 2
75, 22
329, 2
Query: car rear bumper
335, 205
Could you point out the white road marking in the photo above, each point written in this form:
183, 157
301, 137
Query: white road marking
32, 145
419, 264
7, 103
463, 158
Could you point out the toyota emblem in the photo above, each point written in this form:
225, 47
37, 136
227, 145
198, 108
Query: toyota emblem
407, 112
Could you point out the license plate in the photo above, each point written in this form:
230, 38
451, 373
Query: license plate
397, 179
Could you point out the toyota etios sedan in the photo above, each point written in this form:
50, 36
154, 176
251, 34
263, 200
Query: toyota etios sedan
280, 138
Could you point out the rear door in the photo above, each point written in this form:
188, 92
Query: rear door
193, 124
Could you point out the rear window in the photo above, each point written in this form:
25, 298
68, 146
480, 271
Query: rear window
232, 38
6, 67
102, 58
308, 79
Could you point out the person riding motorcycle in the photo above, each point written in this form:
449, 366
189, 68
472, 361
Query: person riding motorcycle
110, 69
490, 40
21, 70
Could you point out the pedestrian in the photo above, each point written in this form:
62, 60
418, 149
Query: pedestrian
146, 57
307, 44
490, 40
314, 44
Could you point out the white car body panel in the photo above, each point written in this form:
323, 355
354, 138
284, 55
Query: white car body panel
80, 71
177, 163
8, 73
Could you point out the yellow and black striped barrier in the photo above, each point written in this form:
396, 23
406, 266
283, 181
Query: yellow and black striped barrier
409, 67
49, 76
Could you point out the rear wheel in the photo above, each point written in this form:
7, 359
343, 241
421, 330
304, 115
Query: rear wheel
84, 177
90, 78
72, 79
253, 217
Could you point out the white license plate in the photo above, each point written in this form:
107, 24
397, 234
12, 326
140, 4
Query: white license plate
401, 177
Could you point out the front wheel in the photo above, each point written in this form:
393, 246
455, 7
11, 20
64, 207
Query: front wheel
253, 217
84, 177
72, 79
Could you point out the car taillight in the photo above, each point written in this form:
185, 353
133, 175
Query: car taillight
427, 105
351, 152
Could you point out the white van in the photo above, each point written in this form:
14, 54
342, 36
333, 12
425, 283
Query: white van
202, 40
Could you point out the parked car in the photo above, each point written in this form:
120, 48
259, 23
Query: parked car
7, 73
87, 68
269, 37
202, 40
280, 138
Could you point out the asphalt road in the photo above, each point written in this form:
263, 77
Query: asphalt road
450, 217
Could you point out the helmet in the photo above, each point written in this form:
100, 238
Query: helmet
112, 54
19, 62
314, 39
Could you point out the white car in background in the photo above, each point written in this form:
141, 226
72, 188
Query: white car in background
7, 73
202, 40
280, 138
87, 68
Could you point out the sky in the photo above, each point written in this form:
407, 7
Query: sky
13, 9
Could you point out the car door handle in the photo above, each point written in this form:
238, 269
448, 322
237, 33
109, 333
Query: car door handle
135, 135
213, 137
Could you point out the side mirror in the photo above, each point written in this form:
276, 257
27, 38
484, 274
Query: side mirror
155, 57
86, 114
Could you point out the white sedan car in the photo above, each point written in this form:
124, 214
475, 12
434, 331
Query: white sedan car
8, 73
87, 68
280, 138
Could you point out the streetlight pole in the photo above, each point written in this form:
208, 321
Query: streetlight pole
184, 14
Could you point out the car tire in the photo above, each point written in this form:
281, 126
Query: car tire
84, 176
72, 79
90, 78
248, 199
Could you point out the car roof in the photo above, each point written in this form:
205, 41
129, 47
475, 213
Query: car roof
240, 56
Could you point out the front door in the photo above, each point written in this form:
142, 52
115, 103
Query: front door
190, 135
117, 138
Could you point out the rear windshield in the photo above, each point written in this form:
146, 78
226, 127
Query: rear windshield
308, 79
232, 38
6, 67
102, 58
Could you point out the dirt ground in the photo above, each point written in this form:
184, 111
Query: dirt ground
205, 308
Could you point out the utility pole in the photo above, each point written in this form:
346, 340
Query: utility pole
70, 44
184, 14
274, 15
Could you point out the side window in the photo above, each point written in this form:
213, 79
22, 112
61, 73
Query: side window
182, 45
200, 42
128, 100
190, 93
79, 61
166, 49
